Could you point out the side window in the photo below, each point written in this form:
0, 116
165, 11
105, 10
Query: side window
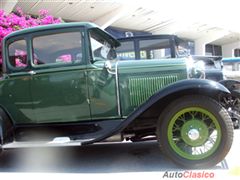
126, 51
57, 49
155, 49
17, 54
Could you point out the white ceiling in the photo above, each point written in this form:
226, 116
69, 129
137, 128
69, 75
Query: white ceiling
189, 19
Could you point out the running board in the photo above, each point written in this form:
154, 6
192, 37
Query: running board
56, 142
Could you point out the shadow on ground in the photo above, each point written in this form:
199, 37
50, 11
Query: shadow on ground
100, 158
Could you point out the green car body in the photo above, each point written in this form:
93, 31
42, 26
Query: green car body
63, 81
57, 88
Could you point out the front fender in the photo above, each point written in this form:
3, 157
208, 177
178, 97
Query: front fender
180, 88
185, 87
1, 133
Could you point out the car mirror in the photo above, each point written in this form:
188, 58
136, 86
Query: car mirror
108, 65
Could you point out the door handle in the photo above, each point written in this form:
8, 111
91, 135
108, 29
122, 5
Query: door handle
32, 72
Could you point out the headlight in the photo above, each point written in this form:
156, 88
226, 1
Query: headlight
196, 69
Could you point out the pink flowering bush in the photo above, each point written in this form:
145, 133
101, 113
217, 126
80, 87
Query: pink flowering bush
66, 58
21, 58
18, 20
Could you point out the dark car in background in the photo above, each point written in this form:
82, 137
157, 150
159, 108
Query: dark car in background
169, 46
201, 67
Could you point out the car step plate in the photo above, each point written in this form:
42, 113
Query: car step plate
56, 142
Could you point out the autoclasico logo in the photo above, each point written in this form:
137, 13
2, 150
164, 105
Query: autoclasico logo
188, 174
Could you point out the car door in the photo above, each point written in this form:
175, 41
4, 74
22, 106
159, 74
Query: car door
59, 87
102, 82
15, 88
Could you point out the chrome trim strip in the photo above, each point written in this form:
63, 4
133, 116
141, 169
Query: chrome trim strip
39, 144
56, 142
117, 88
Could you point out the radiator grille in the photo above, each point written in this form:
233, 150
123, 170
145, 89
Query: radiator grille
141, 88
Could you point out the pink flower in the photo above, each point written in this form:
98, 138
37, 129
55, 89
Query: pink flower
19, 63
2, 13
5, 32
21, 58
65, 58
32, 22
43, 12
19, 20
20, 11
19, 52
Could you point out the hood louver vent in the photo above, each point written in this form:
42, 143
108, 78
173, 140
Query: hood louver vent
141, 88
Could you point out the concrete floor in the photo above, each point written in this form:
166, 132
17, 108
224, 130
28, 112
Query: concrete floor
116, 160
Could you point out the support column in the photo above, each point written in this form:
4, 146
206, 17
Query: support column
200, 47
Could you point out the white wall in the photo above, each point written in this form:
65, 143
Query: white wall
228, 49
209, 37
8, 6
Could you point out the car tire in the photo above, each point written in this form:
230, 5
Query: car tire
195, 132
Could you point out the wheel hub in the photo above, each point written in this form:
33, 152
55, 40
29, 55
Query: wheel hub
193, 134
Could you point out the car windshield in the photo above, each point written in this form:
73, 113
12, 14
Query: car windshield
182, 52
182, 49
101, 49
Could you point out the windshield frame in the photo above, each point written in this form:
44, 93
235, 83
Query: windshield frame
109, 45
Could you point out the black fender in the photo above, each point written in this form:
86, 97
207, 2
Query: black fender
233, 86
180, 88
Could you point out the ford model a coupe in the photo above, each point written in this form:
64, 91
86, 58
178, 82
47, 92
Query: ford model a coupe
62, 86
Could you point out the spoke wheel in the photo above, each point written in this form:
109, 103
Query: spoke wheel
195, 131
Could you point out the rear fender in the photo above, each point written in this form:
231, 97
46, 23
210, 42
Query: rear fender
6, 128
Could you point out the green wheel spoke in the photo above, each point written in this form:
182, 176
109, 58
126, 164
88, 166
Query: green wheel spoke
194, 150
211, 140
176, 128
193, 114
206, 148
182, 118
204, 117
212, 126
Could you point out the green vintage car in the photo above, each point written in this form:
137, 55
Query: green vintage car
61, 85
